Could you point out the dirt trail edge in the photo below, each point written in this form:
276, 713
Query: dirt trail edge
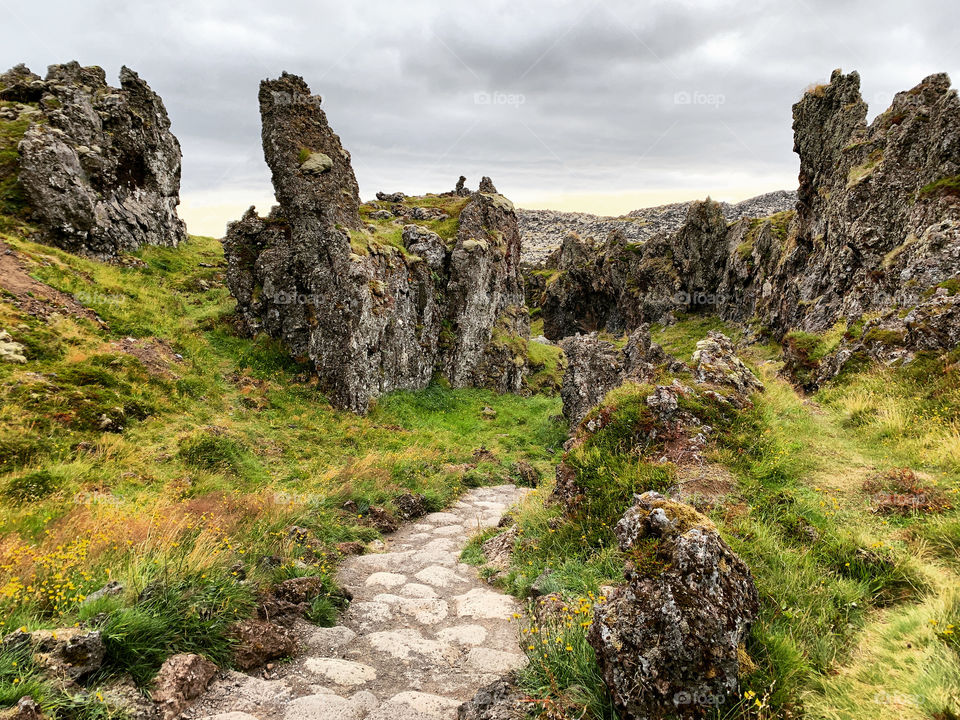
422, 634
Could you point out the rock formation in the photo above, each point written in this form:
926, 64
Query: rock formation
98, 169
666, 389
876, 231
380, 306
595, 367
668, 640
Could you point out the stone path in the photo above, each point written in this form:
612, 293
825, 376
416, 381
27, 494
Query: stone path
422, 634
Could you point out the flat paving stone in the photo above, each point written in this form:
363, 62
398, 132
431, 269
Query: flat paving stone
341, 672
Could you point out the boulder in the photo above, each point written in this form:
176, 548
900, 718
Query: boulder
668, 641
181, 680
257, 642
98, 165
715, 362
70, 654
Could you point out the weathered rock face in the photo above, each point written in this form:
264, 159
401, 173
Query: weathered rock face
595, 367
620, 285
876, 227
373, 315
667, 641
877, 216
98, 167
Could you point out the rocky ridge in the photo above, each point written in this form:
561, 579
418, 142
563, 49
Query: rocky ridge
374, 300
543, 231
873, 241
97, 168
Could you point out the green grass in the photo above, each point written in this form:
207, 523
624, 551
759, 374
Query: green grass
547, 365
943, 186
680, 339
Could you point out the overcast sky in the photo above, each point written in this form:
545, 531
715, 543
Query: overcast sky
601, 106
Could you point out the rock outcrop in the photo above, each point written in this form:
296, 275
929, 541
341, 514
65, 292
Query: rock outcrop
667, 398
668, 640
379, 306
875, 232
596, 366
98, 169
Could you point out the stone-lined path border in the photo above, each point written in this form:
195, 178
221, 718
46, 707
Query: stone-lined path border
422, 634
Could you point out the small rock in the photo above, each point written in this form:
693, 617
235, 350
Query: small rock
317, 164
499, 549
66, 653
411, 506
10, 351
26, 709
354, 547
528, 475
111, 589
300, 589
258, 641
500, 700
182, 679
382, 520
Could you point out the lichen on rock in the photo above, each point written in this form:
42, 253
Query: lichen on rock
668, 642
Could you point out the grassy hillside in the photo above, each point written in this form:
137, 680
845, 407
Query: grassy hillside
145, 441
844, 505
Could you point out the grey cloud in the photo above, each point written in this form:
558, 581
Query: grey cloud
603, 83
